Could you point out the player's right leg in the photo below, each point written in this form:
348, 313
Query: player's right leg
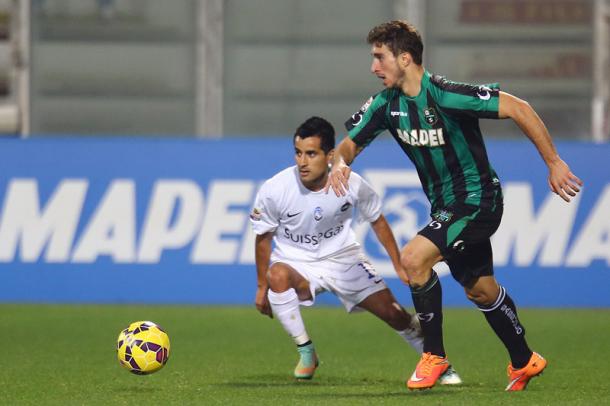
384, 305
417, 258
286, 288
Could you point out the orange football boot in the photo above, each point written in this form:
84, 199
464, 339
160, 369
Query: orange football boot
519, 378
429, 368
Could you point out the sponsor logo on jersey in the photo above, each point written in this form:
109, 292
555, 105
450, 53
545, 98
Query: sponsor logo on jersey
422, 138
317, 213
290, 215
399, 113
313, 239
430, 115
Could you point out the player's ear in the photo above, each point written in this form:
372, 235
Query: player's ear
405, 59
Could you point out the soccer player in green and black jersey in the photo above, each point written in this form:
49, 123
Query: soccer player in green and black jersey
435, 122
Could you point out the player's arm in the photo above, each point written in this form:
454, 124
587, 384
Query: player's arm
262, 255
343, 156
561, 180
386, 238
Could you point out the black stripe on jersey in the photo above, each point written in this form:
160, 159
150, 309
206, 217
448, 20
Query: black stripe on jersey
367, 133
451, 159
394, 105
474, 139
465, 89
428, 162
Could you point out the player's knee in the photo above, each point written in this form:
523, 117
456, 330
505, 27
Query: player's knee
278, 276
412, 262
483, 293
480, 298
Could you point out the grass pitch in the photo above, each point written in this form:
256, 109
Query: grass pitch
55, 354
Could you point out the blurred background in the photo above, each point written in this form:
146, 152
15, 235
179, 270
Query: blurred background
135, 134
225, 68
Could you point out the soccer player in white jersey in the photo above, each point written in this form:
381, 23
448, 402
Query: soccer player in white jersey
305, 246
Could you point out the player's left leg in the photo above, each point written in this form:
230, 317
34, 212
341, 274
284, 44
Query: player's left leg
501, 313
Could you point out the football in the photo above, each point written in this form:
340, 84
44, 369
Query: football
143, 347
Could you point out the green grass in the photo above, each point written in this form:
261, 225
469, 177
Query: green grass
66, 355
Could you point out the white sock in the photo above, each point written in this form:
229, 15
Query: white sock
413, 335
285, 306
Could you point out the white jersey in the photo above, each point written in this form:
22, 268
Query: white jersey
307, 225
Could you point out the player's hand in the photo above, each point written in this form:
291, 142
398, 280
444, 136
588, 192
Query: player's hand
562, 181
403, 276
262, 302
338, 178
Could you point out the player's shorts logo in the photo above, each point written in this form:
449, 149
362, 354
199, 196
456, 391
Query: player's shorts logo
430, 115
317, 213
435, 225
443, 215
459, 245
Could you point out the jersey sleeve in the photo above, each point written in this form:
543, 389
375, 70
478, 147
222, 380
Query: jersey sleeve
368, 122
479, 101
264, 216
368, 202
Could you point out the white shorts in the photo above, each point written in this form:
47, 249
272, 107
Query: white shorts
352, 279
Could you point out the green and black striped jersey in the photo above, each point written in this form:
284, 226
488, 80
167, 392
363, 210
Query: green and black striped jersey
439, 131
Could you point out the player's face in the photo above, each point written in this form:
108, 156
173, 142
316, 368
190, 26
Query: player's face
385, 66
312, 162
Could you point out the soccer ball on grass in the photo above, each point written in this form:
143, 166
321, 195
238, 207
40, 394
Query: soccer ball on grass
143, 347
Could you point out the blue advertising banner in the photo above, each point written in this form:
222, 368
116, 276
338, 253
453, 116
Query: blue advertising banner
166, 221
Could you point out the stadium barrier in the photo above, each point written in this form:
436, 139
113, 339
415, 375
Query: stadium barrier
166, 221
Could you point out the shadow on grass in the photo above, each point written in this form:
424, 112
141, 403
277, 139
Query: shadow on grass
266, 380
339, 387
283, 380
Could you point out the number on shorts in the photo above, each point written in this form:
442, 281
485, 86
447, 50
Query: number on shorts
367, 268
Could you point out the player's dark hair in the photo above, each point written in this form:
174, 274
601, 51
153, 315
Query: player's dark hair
317, 127
399, 36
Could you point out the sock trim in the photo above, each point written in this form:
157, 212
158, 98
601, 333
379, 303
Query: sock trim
429, 285
308, 342
495, 304
280, 298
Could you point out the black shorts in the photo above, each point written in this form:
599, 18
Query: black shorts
462, 234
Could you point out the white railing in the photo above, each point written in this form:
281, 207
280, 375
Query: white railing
600, 108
